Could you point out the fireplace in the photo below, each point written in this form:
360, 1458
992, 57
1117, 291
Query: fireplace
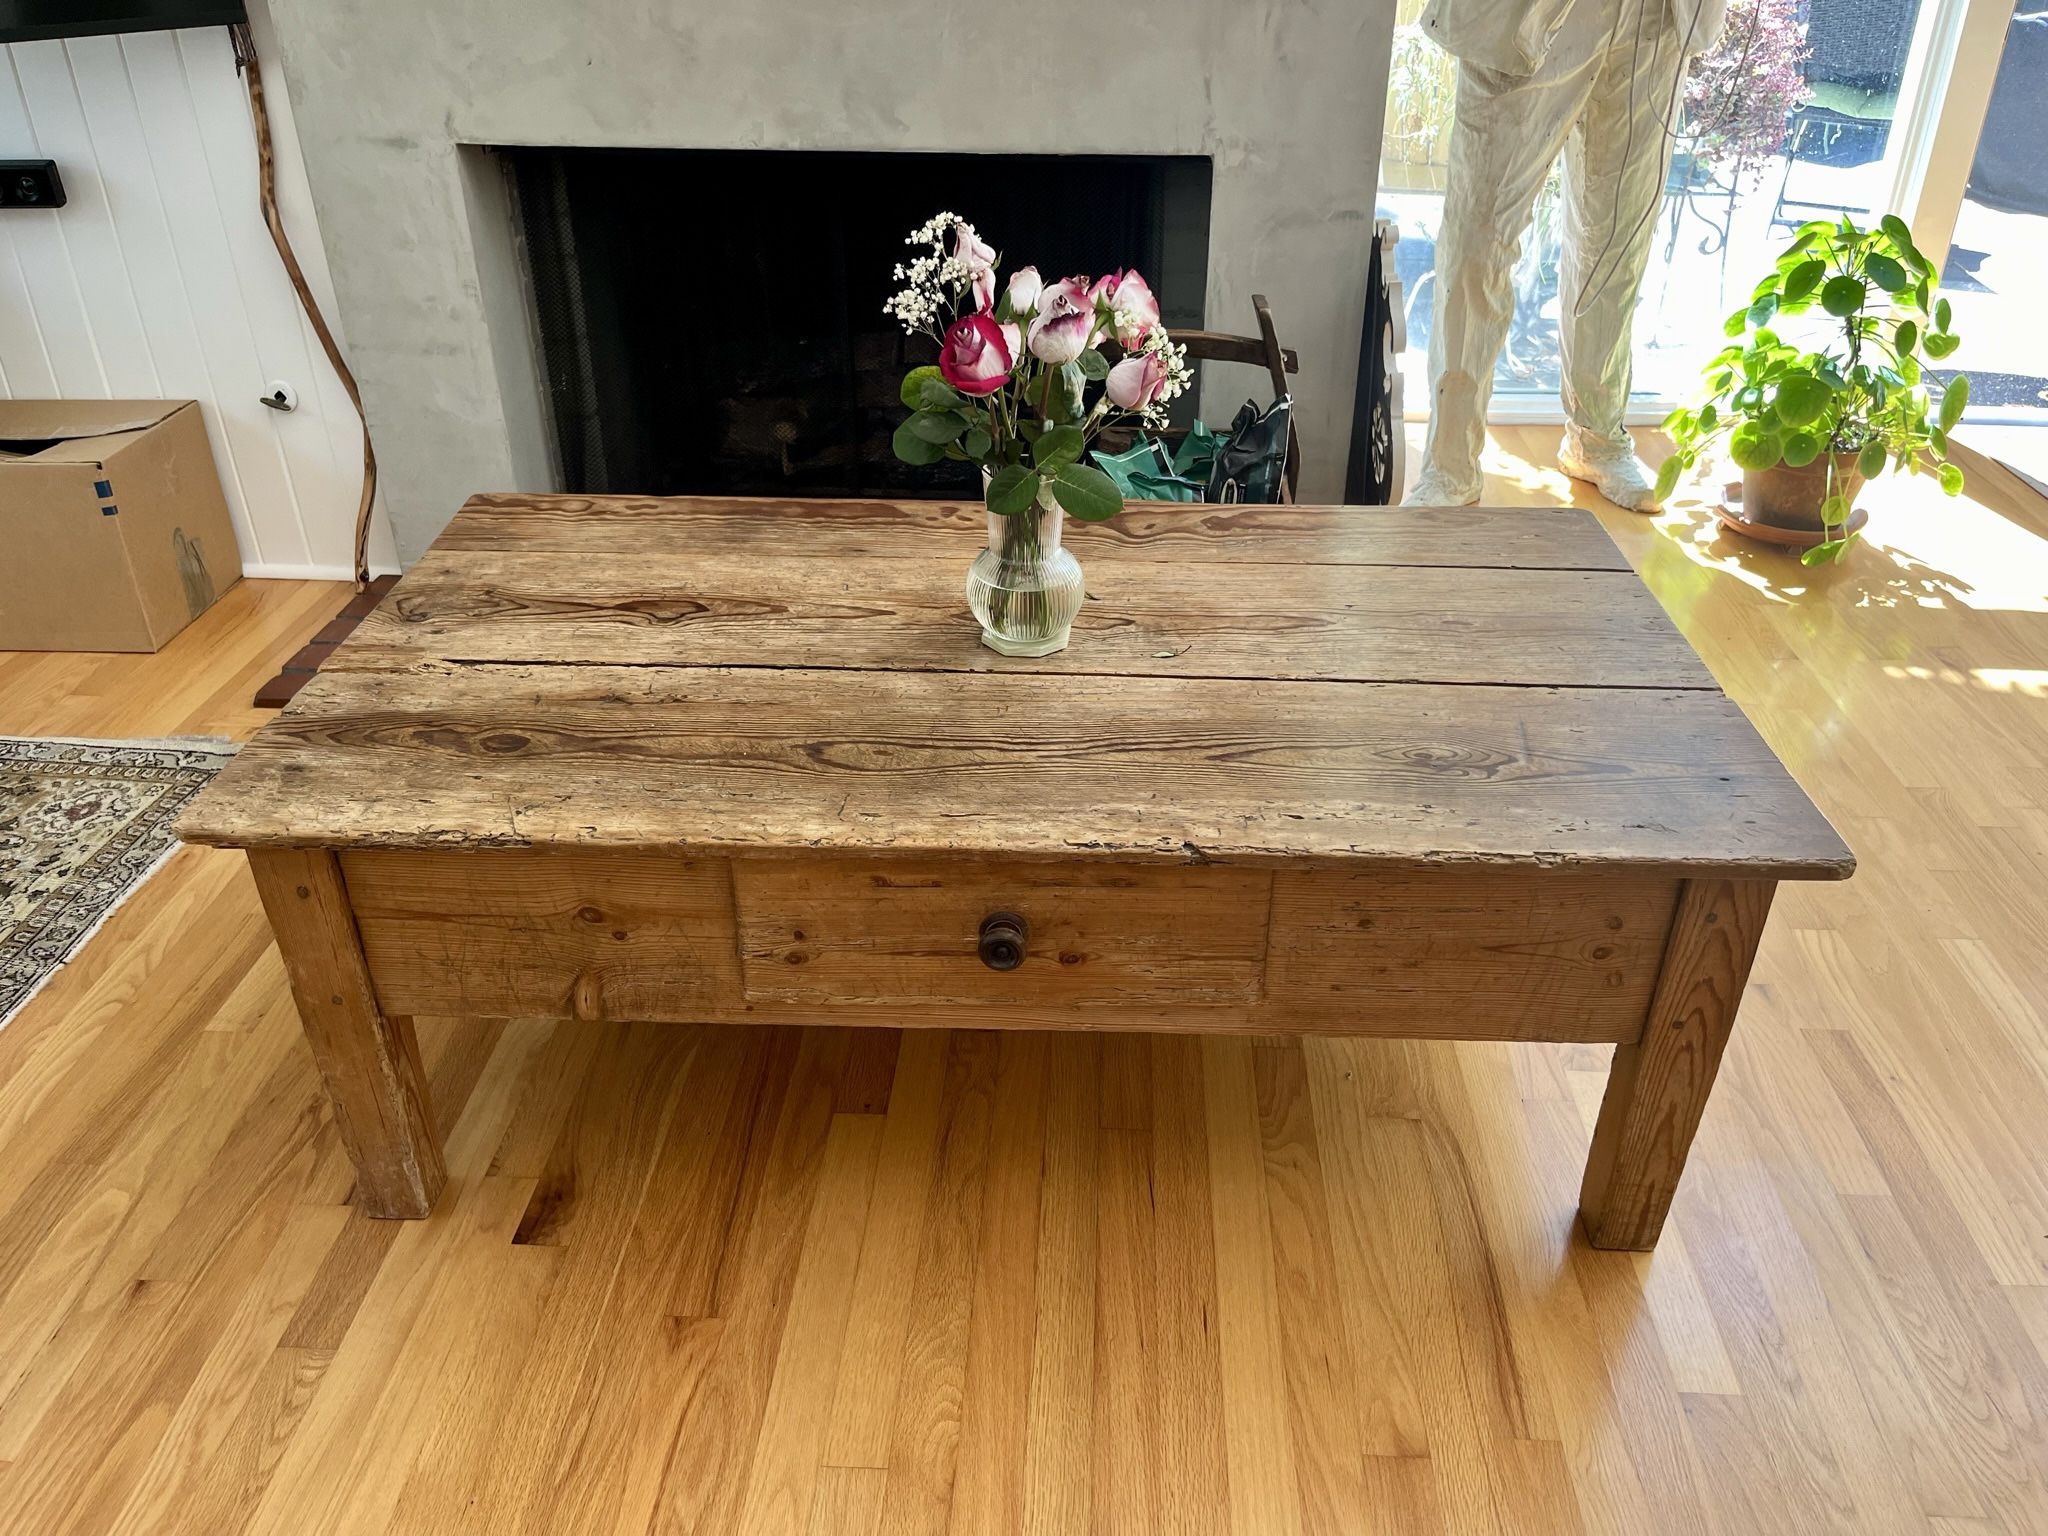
710, 321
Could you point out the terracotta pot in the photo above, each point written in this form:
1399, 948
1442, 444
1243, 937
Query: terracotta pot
1784, 497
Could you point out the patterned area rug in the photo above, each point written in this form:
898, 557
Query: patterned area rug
82, 824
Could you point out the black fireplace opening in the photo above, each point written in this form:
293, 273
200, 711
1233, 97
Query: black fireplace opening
711, 321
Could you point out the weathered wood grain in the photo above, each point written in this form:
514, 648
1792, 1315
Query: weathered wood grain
1513, 954
1142, 618
783, 761
1657, 1086
830, 932
369, 1062
1518, 538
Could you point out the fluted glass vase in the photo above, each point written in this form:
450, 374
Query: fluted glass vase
1024, 588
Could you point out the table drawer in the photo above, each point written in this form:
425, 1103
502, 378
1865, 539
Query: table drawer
894, 933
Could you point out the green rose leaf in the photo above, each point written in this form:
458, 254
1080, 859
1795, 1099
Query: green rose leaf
1012, 490
1667, 475
1804, 278
1954, 401
1952, 479
1093, 364
977, 443
1843, 296
1801, 399
1754, 446
1886, 273
912, 388
1801, 448
938, 395
1087, 493
1870, 461
938, 426
913, 449
1059, 446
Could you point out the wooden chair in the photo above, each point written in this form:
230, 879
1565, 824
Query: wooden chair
1263, 350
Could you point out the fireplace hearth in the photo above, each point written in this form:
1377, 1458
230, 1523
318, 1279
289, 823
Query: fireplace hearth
711, 321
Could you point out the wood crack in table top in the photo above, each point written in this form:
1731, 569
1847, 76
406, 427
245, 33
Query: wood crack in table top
737, 691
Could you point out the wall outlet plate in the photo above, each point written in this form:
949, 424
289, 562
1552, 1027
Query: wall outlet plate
30, 184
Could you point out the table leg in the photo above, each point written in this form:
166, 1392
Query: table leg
370, 1063
1658, 1085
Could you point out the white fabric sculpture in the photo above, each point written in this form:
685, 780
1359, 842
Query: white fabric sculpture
1600, 80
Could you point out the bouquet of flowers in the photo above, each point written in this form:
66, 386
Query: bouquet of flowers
1017, 366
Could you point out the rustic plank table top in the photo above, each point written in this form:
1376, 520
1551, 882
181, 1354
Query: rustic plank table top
1389, 771
1337, 687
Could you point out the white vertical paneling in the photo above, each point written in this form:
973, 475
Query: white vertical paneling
158, 277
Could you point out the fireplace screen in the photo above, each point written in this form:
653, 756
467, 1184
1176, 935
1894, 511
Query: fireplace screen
711, 320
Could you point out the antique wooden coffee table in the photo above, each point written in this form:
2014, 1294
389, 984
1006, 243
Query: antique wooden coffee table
1367, 771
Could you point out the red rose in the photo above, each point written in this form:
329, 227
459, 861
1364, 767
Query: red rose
975, 357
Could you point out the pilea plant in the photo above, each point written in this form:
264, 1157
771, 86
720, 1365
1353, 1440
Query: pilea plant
1858, 394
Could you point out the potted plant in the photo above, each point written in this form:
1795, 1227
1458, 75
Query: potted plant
1808, 424
1023, 387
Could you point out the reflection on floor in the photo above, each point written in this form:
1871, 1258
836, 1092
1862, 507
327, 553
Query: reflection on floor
705, 1280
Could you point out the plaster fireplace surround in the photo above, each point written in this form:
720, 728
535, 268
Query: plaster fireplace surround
394, 100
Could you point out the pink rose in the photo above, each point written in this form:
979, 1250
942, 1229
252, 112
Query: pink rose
1065, 319
1134, 383
1129, 293
979, 257
1025, 287
975, 357
1013, 338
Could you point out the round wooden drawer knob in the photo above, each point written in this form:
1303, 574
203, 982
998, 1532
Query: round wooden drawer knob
1003, 935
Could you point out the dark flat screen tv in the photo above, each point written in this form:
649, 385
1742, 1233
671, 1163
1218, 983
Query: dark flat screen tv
26, 21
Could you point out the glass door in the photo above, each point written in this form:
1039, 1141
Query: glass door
1993, 273
1795, 113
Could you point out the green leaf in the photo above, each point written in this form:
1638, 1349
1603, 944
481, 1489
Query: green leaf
1763, 309
1938, 344
1802, 448
938, 395
1736, 323
1954, 401
912, 449
1941, 314
1834, 511
1921, 290
1804, 278
1801, 398
1059, 446
1870, 461
1821, 554
1012, 490
1952, 479
1885, 272
1902, 241
1754, 446
912, 388
1093, 364
938, 426
977, 443
1707, 417
1087, 493
1906, 338
1843, 296
1667, 476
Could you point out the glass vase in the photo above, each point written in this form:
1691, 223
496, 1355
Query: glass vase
1024, 588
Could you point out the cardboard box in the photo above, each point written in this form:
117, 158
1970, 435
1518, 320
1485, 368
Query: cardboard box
114, 534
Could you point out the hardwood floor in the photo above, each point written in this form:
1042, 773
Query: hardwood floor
709, 1280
